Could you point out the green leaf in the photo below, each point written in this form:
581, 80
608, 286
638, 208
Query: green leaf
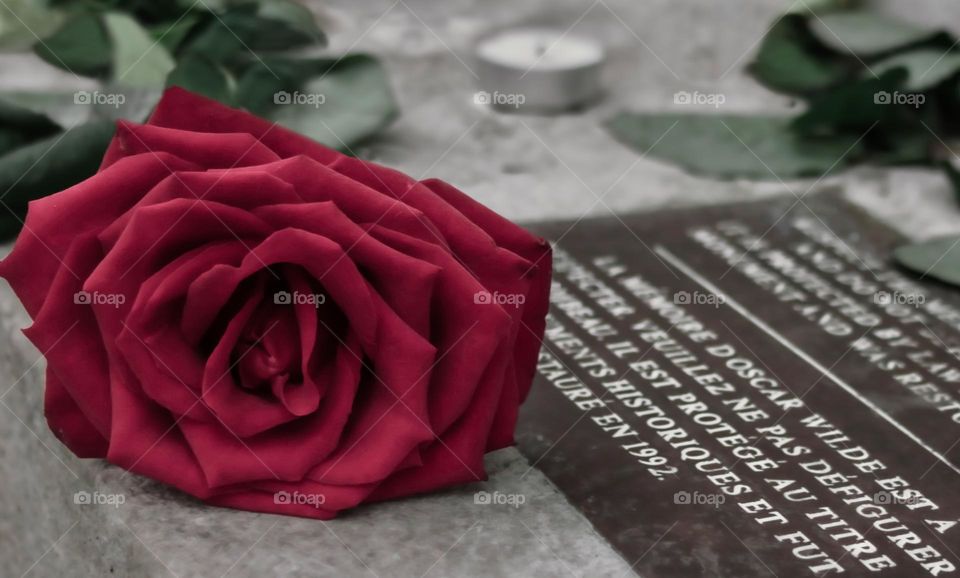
243, 32
335, 102
789, 61
865, 32
138, 60
225, 39
858, 106
293, 15
938, 258
205, 5
59, 106
727, 146
953, 176
890, 120
10, 139
197, 74
21, 21
80, 46
48, 166
925, 67
20, 125
902, 147
13, 115
173, 34
148, 12
821, 6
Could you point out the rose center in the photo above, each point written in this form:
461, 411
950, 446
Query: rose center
268, 352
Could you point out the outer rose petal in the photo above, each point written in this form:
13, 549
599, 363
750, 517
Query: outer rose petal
534, 249
459, 459
469, 335
180, 109
493, 249
68, 335
68, 422
241, 190
54, 222
205, 149
316, 182
533, 318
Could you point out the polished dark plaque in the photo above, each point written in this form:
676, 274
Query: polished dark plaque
751, 390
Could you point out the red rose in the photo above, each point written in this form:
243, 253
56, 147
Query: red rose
266, 324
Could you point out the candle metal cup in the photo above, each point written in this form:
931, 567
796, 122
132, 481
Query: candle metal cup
538, 70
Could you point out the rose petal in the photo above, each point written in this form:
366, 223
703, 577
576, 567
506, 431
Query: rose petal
67, 334
152, 326
241, 190
499, 267
404, 282
240, 411
468, 333
209, 150
54, 222
227, 459
68, 422
315, 182
534, 249
185, 110
459, 458
146, 440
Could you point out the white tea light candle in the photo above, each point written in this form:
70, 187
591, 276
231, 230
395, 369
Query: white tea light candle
538, 70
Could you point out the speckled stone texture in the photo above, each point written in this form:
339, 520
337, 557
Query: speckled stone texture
526, 167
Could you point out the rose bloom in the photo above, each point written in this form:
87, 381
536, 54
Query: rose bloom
266, 324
